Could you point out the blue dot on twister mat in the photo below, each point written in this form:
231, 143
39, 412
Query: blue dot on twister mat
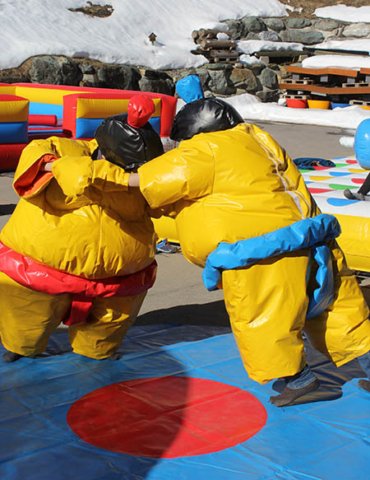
339, 174
340, 202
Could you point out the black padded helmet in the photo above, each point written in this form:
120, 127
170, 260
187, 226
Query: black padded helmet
204, 115
127, 140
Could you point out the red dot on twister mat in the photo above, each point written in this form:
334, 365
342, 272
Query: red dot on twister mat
358, 181
167, 417
319, 190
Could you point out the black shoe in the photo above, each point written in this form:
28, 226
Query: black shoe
289, 395
364, 384
355, 195
10, 357
348, 194
115, 356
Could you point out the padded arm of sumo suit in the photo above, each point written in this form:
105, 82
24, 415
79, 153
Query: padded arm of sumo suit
30, 178
34, 179
76, 174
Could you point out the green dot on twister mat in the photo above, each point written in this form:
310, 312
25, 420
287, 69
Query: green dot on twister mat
335, 186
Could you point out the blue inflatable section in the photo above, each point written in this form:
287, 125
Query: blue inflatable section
362, 144
43, 133
36, 108
13, 132
323, 295
86, 127
324, 440
307, 233
155, 122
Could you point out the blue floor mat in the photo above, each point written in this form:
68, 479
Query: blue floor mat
326, 439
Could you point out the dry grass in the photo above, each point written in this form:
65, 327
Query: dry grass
309, 6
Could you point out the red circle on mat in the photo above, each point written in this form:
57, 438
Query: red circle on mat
358, 181
167, 417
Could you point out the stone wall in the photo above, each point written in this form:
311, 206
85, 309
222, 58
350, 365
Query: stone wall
223, 79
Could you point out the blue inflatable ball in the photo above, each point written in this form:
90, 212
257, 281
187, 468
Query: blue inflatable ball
362, 144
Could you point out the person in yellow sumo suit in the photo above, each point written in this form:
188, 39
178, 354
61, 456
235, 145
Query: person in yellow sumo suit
229, 182
80, 244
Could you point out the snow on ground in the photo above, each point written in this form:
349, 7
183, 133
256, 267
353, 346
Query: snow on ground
35, 27
253, 110
354, 62
253, 46
345, 13
49, 27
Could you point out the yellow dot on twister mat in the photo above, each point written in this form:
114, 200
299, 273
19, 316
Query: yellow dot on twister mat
358, 170
319, 179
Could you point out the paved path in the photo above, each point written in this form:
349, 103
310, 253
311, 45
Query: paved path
179, 291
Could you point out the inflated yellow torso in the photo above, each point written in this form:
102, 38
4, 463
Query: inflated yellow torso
85, 221
226, 186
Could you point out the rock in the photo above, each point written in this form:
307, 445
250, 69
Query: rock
87, 69
253, 24
157, 81
235, 29
220, 83
274, 23
252, 36
325, 24
55, 70
269, 36
257, 68
244, 79
269, 79
307, 37
268, 95
14, 75
357, 30
297, 22
118, 76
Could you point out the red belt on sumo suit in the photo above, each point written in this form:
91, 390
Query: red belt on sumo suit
42, 278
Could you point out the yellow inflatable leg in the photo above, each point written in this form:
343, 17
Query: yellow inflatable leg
343, 332
27, 317
110, 319
267, 305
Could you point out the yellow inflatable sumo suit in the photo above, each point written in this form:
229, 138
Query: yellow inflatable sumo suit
238, 183
80, 244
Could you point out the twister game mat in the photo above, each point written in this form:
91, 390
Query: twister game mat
327, 185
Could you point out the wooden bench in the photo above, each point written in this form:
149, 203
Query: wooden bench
329, 75
345, 89
365, 72
329, 82
343, 72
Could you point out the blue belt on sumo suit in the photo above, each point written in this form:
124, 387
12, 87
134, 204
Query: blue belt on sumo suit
311, 233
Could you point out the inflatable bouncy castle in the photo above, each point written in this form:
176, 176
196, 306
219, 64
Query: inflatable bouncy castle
29, 111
